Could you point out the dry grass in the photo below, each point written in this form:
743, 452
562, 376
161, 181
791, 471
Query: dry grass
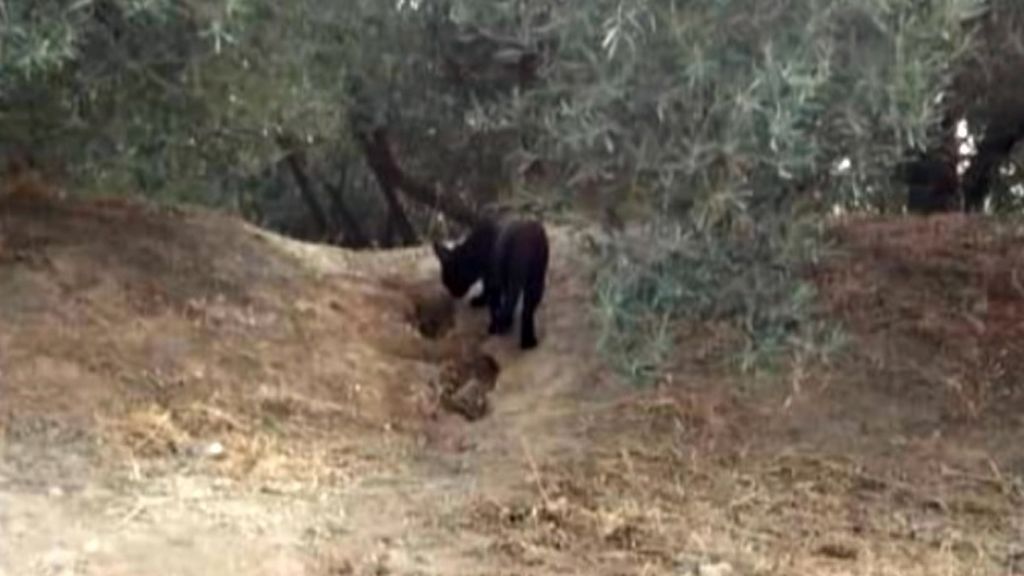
940, 300
653, 504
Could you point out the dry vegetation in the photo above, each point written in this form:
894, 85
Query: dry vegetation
183, 394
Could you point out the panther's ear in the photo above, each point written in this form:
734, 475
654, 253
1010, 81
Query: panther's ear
443, 254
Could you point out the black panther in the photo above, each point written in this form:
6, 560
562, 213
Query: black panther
511, 257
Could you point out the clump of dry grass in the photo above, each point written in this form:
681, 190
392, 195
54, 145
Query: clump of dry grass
146, 433
946, 293
199, 433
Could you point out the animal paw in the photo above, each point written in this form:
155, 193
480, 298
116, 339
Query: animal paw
528, 342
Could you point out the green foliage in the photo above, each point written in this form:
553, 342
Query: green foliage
726, 116
751, 278
689, 101
184, 101
171, 99
108, 89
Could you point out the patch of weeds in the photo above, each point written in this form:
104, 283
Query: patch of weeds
751, 278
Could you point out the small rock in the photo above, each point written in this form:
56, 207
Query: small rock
214, 450
469, 399
205, 450
56, 492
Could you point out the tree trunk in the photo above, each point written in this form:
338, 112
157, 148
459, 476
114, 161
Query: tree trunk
390, 176
398, 221
354, 235
390, 229
297, 163
933, 184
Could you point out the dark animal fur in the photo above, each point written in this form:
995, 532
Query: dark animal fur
511, 257
932, 184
